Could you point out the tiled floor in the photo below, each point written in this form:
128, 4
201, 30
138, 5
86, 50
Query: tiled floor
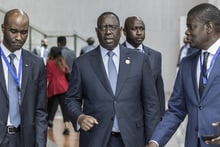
57, 139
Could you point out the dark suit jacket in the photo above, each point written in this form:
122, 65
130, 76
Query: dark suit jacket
155, 64
33, 105
135, 102
185, 100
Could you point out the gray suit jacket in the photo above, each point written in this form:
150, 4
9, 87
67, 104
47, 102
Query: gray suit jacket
135, 102
69, 56
155, 60
33, 105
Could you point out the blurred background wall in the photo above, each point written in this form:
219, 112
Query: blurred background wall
77, 19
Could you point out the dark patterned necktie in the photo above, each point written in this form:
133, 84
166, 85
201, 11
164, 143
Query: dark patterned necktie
203, 74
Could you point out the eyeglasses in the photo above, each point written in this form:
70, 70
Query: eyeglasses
109, 27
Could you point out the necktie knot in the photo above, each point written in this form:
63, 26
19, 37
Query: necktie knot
110, 54
137, 49
12, 57
206, 55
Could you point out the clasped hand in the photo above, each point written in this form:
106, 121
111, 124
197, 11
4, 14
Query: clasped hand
87, 122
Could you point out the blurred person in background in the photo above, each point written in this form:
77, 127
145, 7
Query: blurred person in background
68, 54
57, 86
42, 50
90, 41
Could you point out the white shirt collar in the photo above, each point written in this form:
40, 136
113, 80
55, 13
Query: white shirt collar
104, 51
7, 52
128, 45
213, 48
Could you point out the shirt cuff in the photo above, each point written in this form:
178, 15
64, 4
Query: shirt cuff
155, 142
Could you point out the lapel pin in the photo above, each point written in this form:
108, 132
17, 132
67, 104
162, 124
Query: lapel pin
128, 61
26, 65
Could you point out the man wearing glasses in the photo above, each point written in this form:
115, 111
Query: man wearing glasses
120, 104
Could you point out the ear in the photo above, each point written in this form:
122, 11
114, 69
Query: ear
96, 30
121, 30
3, 27
124, 31
209, 27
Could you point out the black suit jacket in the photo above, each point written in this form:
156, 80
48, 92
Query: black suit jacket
33, 102
135, 102
155, 64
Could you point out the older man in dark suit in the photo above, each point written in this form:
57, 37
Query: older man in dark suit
134, 30
120, 111
23, 114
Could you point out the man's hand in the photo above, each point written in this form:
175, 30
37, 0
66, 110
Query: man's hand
217, 139
87, 122
213, 141
151, 144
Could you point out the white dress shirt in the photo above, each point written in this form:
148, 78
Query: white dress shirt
212, 51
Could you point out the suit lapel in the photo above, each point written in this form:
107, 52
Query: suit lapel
194, 73
124, 68
98, 66
26, 68
2, 80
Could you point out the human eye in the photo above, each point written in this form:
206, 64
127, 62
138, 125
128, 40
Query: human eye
141, 28
24, 32
13, 31
103, 28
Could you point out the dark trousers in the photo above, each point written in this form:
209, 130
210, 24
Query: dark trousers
53, 103
11, 140
115, 141
198, 143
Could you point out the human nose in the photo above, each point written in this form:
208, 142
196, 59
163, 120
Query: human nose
187, 32
18, 36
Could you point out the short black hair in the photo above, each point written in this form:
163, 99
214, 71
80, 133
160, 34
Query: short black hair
205, 13
107, 13
61, 40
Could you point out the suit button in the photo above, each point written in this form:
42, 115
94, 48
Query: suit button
112, 119
200, 107
196, 129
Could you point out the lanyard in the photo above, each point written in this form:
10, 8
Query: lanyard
204, 79
13, 74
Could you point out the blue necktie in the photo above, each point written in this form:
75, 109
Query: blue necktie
112, 76
112, 72
14, 111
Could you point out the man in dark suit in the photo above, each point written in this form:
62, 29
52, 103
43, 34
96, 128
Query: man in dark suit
134, 30
22, 86
68, 54
196, 90
120, 114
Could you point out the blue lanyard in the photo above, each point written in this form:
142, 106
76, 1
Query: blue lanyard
204, 79
13, 74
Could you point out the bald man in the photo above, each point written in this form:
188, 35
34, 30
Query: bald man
134, 30
23, 102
